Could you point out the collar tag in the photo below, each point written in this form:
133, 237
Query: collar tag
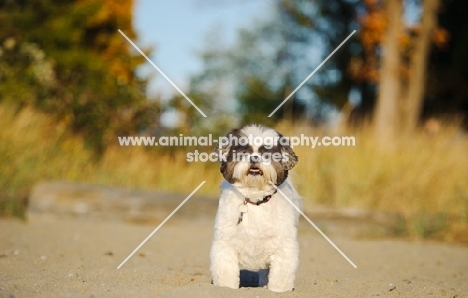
243, 208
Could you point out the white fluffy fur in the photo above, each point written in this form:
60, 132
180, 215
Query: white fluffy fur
267, 236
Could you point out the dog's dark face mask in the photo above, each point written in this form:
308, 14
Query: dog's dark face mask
230, 153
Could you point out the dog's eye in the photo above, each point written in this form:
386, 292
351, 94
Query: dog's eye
269, 149
244, 149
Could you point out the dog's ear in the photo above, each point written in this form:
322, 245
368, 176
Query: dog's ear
222, 152
223, 149
225, 143
289, 158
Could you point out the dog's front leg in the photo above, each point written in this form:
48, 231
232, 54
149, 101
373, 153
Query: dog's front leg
224, 266
283, 268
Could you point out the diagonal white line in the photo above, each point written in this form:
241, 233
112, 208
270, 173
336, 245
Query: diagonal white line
160, 71
160, 225
317, 228
312, 73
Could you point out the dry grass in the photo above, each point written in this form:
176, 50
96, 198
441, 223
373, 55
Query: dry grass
35, 149
423, 178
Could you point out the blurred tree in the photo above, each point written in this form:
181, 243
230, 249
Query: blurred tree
403, 63
209, 90
271, 66
413, 96
447, 88
272, 57
433, 49
363, 67
389, 88
430, 73
327, 23
67, 58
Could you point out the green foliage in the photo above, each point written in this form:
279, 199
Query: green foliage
68, 59
272, 57
258, 100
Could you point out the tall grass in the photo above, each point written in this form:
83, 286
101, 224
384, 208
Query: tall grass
423, 178
34, 149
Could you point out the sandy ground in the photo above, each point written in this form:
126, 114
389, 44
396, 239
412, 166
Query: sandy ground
79, 258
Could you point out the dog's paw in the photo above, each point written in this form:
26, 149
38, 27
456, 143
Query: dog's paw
280, 289
228, 281
232, 285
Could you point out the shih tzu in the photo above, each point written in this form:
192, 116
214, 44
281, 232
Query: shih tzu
255, 226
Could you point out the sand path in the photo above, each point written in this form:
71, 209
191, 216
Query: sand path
78, 258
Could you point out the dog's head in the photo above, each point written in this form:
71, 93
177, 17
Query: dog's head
254, 155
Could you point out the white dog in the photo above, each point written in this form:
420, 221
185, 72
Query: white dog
255, 226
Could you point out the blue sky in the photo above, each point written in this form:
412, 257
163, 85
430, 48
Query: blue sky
177, 30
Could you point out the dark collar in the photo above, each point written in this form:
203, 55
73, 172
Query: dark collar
264, 200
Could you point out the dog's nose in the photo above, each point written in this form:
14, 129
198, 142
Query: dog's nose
254, 158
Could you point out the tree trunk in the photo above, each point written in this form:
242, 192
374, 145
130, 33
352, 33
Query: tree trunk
385, 113
413, 101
